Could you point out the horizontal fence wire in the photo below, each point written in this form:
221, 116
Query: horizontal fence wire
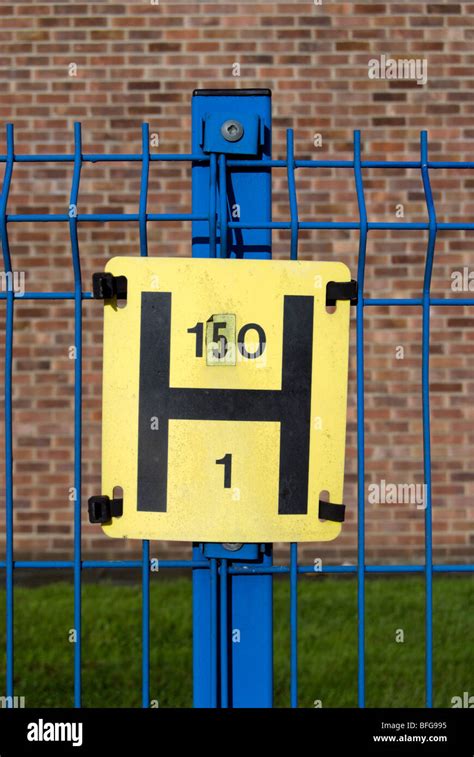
217, 219
241, 570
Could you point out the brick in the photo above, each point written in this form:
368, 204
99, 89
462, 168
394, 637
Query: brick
448, 8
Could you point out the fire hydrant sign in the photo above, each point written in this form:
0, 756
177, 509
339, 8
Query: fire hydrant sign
224, 399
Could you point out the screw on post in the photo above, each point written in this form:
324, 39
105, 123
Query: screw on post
232, 546
232, 130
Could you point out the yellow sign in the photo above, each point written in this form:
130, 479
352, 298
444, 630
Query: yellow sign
224, 400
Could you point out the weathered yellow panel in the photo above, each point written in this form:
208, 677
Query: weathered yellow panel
224, 400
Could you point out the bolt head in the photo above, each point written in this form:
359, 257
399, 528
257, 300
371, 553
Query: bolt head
232, 546
232, 130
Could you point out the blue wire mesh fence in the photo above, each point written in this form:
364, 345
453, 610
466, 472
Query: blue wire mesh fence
217, 218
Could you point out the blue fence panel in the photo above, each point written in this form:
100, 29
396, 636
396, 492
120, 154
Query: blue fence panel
216, 225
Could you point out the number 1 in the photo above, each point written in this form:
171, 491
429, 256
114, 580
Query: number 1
226, 461
198, 329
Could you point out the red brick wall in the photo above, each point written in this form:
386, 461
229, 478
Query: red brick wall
139, 61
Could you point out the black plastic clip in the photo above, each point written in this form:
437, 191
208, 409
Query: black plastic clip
102, 509
106, 286
330, 511
341, 290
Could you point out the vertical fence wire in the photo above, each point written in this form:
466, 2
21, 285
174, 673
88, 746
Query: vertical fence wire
212, 206
145, 172
360, 422
426, 418
145, 623
292, 196
224, 230
213, 630
294, 625
8, 413
294, 222
224, 657
76, 263
142, 209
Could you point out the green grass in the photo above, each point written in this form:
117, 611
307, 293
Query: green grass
327, 642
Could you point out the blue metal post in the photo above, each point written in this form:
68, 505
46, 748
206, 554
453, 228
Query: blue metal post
236, 671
